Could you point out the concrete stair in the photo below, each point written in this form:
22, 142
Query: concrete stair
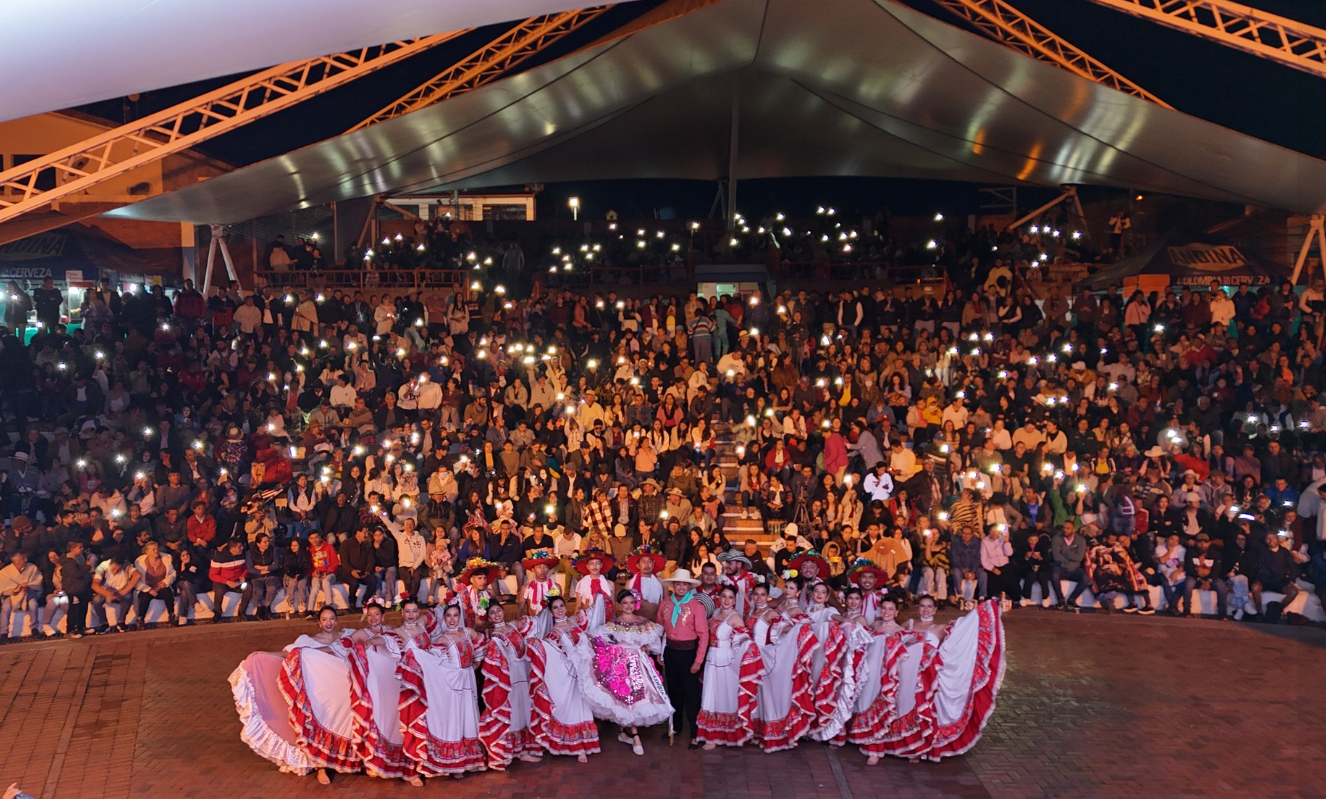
736, 528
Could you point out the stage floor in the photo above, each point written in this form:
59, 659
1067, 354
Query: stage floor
1092, 706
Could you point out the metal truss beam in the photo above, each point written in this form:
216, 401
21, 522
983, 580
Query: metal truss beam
75, 169
488, 62
1004, 23
1251, 30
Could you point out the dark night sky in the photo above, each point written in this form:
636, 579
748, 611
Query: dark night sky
1202, 78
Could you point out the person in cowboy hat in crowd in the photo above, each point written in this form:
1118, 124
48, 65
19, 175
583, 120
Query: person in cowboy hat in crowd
686, 640
870, 579
539, 584
644, 564
594, 590
474, 593
737, 573
677, 505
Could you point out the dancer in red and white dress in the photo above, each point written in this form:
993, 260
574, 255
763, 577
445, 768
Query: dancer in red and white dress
810, 568
375, 691
857, 641
912, 662
947, 679
645, 564
561, 718
827, 667
878, 675
970, 674
294, 707
615, 667
540, 585
594, 591
733, 669
504, 725
785, 705
439, 700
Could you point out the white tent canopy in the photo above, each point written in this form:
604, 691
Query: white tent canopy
63, 53
859, 87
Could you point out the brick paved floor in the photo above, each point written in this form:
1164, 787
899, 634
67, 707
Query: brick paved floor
1091, 707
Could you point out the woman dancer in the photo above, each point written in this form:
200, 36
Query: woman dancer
826, 669
877, 675
857, 641
785, 705
733, 669
909, 673
375, 691
294, 707
970, 673
439, 699
616, 674
504, 725
561, 720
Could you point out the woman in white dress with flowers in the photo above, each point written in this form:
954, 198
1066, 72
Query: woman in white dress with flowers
614, 664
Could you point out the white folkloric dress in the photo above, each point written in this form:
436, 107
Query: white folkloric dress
785, 705
440, 706
826, 668
504, 725
617, 676
970, 675
852, 680
375, 692
295, 711
561, 719
943, 693
733, 669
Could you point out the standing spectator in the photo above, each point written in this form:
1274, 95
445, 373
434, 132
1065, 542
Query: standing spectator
324, 565
76, 577
965, 562
48, 300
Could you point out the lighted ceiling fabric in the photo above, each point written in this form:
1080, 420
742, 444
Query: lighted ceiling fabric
859, 87
63, 53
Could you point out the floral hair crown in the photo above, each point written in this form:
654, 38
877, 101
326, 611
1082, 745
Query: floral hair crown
790, 573
550, 596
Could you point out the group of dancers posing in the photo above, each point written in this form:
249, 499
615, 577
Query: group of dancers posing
745, 663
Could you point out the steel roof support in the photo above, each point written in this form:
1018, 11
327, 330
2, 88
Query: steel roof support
1005, 24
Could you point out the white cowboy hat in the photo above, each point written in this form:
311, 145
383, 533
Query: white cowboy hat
681, 576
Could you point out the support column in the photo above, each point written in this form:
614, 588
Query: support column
734, 133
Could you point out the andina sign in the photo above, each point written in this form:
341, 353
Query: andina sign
1207, 257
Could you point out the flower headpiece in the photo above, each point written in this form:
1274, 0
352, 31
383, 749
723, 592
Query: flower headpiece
790, 573
550, 596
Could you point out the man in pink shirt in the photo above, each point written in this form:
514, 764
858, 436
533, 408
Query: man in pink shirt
686, 633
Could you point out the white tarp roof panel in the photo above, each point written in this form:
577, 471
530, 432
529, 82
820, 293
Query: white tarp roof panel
858, 87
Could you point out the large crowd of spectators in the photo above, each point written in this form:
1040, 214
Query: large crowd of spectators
970, 441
